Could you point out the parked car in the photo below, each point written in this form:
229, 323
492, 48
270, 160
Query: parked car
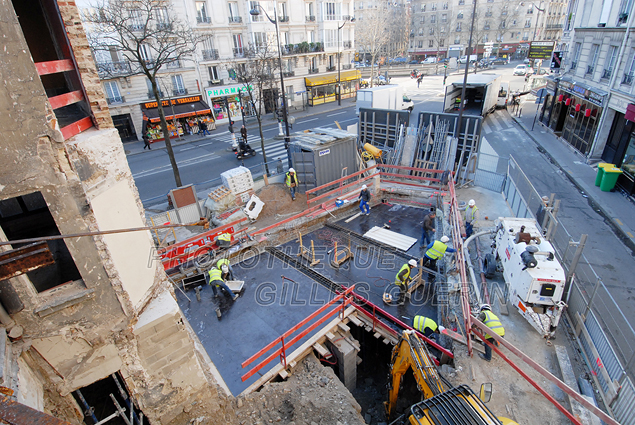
381, 80
526, 61
429, 61
520, 69
413, 62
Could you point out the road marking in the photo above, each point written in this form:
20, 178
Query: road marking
630, 234
338, 113
187, 149
487, 128
302, 122
618, 221
496, 123
168, 167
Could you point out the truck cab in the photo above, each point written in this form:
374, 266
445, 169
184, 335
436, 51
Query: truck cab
503, 95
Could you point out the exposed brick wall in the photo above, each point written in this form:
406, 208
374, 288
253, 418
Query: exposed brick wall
85, 63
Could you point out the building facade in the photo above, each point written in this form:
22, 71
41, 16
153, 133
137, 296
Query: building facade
89, 319
589, 104
309, 42
501, 28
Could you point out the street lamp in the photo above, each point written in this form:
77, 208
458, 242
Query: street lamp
274, 21
339, 81
537, 15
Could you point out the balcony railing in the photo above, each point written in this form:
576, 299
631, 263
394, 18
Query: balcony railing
527, 25
239, 52
210, 54
115, 100
574, 65
203, 20
235, 19
346, 17
347, 66
310, 18
179, 92
459, 16
348, 44
628, 79
486, 27
589, 69
151, 94
174, 64
214, 82
314, 70
137, 27
554, 26
607, 73
164, 25
289, 73
284, 18
114, 68
488, 13
331, 68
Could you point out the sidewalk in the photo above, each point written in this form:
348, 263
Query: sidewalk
618, 209
136, 148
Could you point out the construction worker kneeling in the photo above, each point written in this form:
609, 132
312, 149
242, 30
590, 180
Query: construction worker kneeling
491, 321
403, 279
215, 279
426, 326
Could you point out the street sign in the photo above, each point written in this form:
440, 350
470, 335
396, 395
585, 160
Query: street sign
540, 49
556, 60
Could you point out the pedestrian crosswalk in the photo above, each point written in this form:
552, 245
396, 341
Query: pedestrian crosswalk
499, 121
273, 150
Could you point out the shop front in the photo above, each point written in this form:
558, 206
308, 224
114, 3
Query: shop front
575, 113
227, 101
322, 89
548, 102
620, 148
183, 116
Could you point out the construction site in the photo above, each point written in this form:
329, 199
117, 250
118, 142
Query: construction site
110, 314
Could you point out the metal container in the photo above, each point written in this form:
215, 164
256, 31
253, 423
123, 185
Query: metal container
322, 155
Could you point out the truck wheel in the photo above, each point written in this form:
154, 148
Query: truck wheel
410, 109
489, 266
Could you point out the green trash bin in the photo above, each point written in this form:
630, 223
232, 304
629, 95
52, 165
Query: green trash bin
609, 179
601, 167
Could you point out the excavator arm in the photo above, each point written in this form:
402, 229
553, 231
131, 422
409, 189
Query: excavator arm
411, 352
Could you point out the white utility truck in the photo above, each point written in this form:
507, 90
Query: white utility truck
390, 96
481, 94
535, 278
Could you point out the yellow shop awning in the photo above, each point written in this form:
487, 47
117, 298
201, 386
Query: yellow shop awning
350, 75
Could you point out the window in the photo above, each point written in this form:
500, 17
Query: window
504, 11
485, 38
441, 42
423, 7
625, 8
458, 27
442, 29
233, 11
528, 23
238, 45
430, 43
260, 39
593, 58
433, 19
178, 88
28, 216
420, 31
360, 5
422, 20
444, 17
310, 36
610, 62
576, 55
630, 70
513, 23
112, 92
503, 24
460, 15
330, 38
329, 12
420, 44
162, 17
457, 40
431, 32
137, 20
254, 5
445, 6
461, 2
201, 13
309, 10
486, 26
489, 11
525, 36
434, 6
282, 10
213, 73
144, 50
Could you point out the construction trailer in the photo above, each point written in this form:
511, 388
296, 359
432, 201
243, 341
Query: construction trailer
481, 94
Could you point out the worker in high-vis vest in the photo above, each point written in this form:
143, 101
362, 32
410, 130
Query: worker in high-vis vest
226, 269
224, 240
291, 180
434, 251
403, 278
493, 322
426, 326
215, 279
471, 217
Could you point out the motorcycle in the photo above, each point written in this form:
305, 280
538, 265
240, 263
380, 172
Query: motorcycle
244, 150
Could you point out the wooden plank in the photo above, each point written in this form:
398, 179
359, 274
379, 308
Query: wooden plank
343, 327
353, 318
283, 374
66, 99
353, 217
377, 335
321, 349
53, 67
77, 127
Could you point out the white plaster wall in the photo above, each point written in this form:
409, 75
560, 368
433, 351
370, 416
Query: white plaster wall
162, 305
30, 389
116, 208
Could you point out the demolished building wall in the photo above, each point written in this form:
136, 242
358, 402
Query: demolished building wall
120, 316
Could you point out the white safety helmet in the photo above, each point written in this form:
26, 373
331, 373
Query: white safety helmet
291, 170
486, 307
364, 186
445, 239
441, 329
413, 263
472, 202
224, 268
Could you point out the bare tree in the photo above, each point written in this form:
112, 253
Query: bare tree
148, 36
371, 35
441, 30
256, 75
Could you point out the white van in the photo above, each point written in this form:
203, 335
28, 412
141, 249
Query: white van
503, 94
429, 61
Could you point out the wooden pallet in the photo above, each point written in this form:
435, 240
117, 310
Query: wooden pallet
219, 193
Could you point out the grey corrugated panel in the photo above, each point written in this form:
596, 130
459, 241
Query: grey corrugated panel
391, 238
624, 406
602, 344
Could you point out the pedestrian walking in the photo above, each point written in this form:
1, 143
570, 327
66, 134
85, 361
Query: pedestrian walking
435, 251
426, 326
243, 133
428, 229
471, 218
292, 182
490, 320
146, 141
403, 279
419, 80
364, 197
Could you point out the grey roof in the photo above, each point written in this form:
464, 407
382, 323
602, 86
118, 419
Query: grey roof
477, 79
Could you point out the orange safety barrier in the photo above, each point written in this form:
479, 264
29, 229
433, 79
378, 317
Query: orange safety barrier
285, 343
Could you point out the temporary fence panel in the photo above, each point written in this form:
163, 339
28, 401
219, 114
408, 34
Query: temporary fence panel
624, 406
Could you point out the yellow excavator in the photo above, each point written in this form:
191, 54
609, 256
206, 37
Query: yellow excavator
440, 406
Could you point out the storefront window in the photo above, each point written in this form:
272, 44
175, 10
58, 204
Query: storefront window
628, 164
580, 124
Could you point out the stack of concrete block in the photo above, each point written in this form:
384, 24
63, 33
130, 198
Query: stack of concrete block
345, 349
238, 180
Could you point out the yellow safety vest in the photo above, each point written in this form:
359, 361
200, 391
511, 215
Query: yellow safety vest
437, 250
215, 274
421, 323
225, 237
470, 214
221, 262
398, 280
289, 179
492, 322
